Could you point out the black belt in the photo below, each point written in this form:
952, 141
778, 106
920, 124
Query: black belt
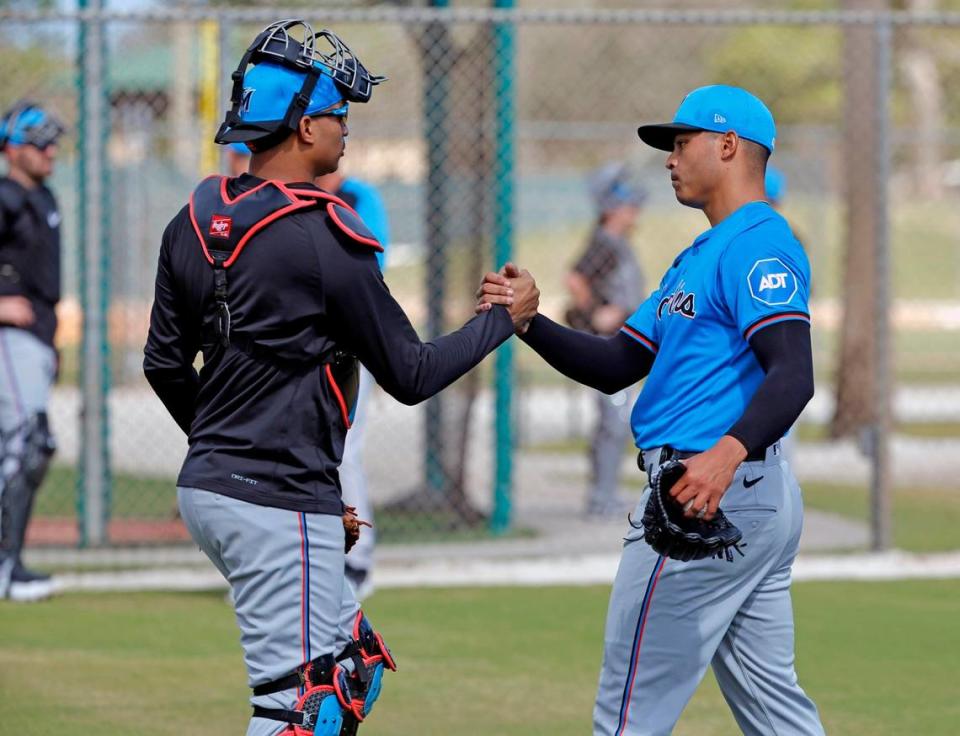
668, 453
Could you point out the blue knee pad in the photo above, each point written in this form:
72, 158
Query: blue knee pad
371, 657
324, 707
329, 718
374, 686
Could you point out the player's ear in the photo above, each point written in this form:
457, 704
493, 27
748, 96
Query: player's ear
305, 130
729, 145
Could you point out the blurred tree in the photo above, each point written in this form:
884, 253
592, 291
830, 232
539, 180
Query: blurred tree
856, 371
36, 64
801, 86
918, 61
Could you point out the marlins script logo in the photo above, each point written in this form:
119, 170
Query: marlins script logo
679, 302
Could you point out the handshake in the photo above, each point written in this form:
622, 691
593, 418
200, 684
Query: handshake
514, 289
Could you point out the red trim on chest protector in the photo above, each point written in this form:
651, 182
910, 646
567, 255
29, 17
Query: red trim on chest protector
333, 202
298, 199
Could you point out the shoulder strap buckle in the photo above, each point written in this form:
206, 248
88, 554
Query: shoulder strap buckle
222, 323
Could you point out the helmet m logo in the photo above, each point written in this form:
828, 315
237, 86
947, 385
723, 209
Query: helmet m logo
245, 99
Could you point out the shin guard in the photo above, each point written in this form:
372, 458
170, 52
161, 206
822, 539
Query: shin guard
320, 710
371, 657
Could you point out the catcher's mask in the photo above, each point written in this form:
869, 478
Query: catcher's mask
291, 78
28, 124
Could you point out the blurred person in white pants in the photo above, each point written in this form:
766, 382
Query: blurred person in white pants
366, 200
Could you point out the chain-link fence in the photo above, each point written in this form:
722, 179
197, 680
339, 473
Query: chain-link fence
485, 138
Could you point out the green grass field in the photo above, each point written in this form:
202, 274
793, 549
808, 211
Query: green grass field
924, 519
879, 658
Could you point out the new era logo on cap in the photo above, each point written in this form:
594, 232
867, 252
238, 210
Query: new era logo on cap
220, 226
718, 118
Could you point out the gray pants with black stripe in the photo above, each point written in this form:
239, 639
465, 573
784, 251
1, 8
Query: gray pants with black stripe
668, 620
27, 370
285, 570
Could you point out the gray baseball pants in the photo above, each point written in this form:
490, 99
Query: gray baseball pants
668, 620
285, 571
607, 447
27, 369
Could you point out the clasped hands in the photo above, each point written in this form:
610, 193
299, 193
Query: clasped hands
514, 289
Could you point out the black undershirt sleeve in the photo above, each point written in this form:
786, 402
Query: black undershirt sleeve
608, 364
785, 354
374, 325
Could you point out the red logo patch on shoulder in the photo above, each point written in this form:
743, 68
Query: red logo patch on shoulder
220, 226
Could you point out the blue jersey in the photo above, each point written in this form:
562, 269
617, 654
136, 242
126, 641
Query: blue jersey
366, 200
744, 274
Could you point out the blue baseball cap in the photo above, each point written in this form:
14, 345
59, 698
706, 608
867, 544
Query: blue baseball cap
267, 90
717, 108
774, 184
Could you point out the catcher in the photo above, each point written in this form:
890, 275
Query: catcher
724, 343
276, 283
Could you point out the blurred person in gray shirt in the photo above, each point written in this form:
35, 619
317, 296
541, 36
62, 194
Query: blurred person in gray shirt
606, 284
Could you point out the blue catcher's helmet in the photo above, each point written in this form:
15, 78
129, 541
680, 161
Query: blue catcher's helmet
290, 79
26, 123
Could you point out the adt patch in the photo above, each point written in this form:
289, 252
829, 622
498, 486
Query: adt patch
771, 282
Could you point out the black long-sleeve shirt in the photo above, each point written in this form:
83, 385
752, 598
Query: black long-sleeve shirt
30, 252
264, 424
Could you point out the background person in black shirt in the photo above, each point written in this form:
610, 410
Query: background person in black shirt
605, 285
29, 292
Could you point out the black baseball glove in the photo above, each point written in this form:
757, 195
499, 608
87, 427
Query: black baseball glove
672, 534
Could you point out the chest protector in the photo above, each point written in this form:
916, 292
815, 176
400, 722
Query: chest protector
225, 226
